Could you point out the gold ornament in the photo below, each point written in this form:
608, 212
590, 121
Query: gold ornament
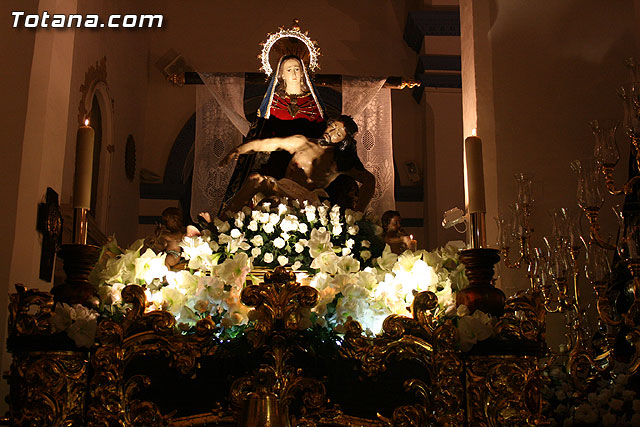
289, 41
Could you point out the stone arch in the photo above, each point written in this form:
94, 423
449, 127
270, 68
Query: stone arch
98, 92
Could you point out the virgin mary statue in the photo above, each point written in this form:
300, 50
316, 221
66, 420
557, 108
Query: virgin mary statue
291, 104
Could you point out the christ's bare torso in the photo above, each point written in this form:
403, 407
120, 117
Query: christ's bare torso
312, 166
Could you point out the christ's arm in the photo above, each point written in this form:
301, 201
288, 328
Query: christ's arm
292, 144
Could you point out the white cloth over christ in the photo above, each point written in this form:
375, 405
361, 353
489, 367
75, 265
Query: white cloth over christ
220, 125
364, 99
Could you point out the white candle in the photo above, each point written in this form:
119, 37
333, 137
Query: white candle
84, 167
475, 174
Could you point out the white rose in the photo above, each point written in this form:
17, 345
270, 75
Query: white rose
255, 252
239, 219
298, 247
310, 212
283, 260
268, 228
365, 255
274, 218
289, 223
253, 225
349, 217
268, 258
296, 265
235, 233
279, 242
257, 240
365, 244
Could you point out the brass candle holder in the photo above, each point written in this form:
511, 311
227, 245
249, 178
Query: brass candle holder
78, 262
481, 294
79, 258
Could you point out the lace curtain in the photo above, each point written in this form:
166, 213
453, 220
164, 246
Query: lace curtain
369, 104
220, 125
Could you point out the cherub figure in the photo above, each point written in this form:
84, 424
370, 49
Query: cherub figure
167, 236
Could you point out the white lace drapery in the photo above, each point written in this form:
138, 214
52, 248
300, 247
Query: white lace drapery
220, 125
364, 99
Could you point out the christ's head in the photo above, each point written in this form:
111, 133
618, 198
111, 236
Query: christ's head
340, 129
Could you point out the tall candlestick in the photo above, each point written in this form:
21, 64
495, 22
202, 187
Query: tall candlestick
84, 167
475, 175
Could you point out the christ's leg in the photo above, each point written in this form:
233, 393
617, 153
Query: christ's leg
256, 183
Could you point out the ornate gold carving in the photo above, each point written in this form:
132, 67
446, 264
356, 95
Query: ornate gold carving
524, 318
276, 387
113, 397
280, 302
29, 312
48, 388
409, 83
282, 309
176, 79
420, 340
502, 390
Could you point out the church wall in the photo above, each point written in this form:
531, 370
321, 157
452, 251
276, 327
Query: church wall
444, 181
19, 46
40, 100
43, 90
126, 85
355, 38
555, 68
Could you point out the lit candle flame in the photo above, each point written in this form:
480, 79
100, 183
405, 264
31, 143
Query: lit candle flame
86, 122
411, 236
474, 132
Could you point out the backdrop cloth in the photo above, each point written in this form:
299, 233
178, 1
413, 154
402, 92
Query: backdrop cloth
220, 126
369, 104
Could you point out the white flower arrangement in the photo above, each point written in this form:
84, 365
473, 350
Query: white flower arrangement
612, 401
79, 322
355, 277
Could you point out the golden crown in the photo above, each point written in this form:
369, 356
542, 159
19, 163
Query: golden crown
290, 41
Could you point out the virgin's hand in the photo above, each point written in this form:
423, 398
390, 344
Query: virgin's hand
233, 155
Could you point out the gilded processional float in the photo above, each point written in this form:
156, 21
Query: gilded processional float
294, 313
